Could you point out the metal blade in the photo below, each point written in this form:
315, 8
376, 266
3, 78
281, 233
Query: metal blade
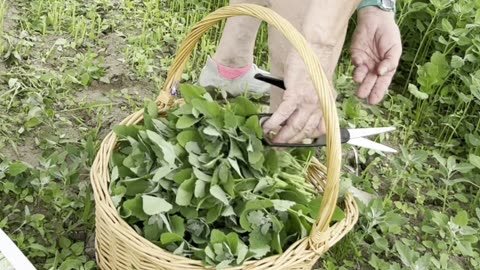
364, 132
366, 143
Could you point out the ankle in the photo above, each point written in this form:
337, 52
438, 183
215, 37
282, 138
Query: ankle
231, 73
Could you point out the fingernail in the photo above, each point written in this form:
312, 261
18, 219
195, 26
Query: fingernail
382, 71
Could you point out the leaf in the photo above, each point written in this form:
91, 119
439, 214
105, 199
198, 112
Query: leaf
405, 253
168, 238
457, 62
259, 243
154, 205
243, 107
474, 160
190, 135
123, 131
217, 236
134, 207
182, 175
282, 205
185, 193
17, 168
214, 213
161, 172
178, 225
417, 93
168, 150
200, 187
190, 92
207, 108
211, 131
186, 121
461, 219
251, 206
217, 192
233, 162
201, 175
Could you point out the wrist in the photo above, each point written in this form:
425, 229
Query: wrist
383, 5
370, 11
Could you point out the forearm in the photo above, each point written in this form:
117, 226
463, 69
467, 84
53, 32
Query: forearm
325, 27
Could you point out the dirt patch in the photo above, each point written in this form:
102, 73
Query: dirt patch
11, 17
25, 151
116, 69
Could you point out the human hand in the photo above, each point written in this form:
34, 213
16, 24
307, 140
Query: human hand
376, 49
299, 115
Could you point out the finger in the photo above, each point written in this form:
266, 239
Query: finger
366, 86
358, 58
380, 88
283, 112
390, 61
309, 130
360, 73
295, 124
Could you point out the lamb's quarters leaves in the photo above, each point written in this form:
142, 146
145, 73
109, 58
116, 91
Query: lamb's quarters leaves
211, 131
189, 212
178, 225
168, 238
182, 175
217, 236
413, 89
201, 175
315, 205
185, 192
230, 120
251, 206
282, 205
214, 148
242, 251
186, 121
259, 243
167, 148
271, 161
134, 207
474, 160
235, 151
185, 109
217, 122
193, 147
233, 162
154, 205
136, 186
214, 213
190, 92
217, 192
161, 172
244, 107
17, 168
200, 189
253, 124
152, 232
124, 131
207, 108
189, 135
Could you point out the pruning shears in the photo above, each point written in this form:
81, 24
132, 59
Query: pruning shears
352, 136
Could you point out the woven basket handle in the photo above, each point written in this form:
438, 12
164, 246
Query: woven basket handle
316, 73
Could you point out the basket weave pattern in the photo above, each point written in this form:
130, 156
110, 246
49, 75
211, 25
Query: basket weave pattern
118, 246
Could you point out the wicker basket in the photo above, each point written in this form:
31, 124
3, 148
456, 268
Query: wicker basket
118, 246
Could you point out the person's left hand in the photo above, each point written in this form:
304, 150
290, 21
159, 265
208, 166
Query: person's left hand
376, 49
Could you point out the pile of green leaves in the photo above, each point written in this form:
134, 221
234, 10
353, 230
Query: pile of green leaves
200, 183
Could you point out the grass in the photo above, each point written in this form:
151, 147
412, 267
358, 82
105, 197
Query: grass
72, 69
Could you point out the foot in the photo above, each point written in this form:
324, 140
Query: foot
234, 81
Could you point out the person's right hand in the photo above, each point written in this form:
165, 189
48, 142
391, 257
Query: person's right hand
299, 115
